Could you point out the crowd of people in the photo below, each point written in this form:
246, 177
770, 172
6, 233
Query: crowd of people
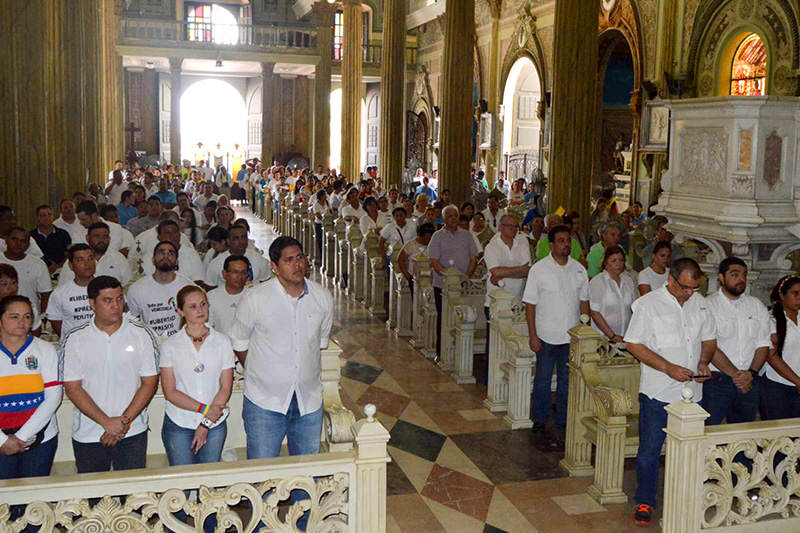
157, 281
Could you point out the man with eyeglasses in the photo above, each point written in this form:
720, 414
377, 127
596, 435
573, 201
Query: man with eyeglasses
223, 300
508, 260
673, 334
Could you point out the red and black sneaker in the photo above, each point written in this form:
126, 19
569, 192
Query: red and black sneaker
642, 515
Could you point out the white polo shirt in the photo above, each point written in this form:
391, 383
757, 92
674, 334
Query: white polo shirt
790, 354
650, 277
258, 265
32, 275
222, 308
493, 221
111, 264
742, 327
675, 333
612, 301
557, 292
156, 303
498, 254
69, 303
110, 369
393, 234
75, 229
119, 237
189, 264
196, 372
33, 247
283, 336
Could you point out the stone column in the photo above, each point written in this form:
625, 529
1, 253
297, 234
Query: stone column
351, 90
665, 52
575, 76
268, 95
494, 87
323, 17
393, 70
455, 145
175, 110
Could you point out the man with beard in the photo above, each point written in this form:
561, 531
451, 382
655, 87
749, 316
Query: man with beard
743, 343
153, 298
108, 262
189, 263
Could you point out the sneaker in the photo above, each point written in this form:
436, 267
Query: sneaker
642, 515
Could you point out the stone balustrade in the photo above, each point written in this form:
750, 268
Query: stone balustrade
602, 411
342, 255
328, 249
462, 321
511, 361
346, 489
400, 300
423, 307
376, 277
355, 277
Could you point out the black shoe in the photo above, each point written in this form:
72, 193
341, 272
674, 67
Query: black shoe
642, 515
539, 428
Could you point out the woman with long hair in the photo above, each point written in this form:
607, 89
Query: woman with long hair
781, 385
197, 380
189, 226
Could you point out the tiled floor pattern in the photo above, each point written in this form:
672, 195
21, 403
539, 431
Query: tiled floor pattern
455, 465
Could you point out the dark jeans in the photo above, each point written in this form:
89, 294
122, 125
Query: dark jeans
551, 356
723, 400
437, 298
127, 454
779, 400
488, 328
318, 233
35, 462
652, 421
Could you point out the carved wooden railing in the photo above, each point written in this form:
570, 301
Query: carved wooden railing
423, 307
602, 411
736, 478
511, 361
346, 489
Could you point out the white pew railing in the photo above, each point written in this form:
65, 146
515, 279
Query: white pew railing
400, 301
462, 320
328, 246
355, 277
511, 361
376, 277
346, 489
733, 478
342, 256
423, 307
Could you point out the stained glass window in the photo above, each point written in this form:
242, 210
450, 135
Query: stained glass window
749, 70
211, 23
198, 23
338, 35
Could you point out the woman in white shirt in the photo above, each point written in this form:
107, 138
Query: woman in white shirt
779, 392
197, 379
372, 221
655, 276
516, 196
420, 206
319, 209
611, 294
351, 211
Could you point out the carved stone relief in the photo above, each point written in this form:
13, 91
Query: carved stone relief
742, 186
702, 151
773, 155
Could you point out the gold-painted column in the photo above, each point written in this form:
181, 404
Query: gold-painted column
351, 89
455, 143
665, 52
268, 95
393, 82
574, 106
494, 87
175, 64
323, 17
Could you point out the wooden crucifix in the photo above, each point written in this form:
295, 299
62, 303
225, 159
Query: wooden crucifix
132, 129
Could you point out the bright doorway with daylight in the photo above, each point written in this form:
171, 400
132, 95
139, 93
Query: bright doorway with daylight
212, 112
521, 124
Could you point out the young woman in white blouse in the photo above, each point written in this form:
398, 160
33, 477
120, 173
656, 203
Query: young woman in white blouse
779, 391
655, 276
611, 294
197, 379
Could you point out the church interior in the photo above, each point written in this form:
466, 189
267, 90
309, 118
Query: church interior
687, 110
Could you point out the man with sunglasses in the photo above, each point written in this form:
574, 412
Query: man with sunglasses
673, 334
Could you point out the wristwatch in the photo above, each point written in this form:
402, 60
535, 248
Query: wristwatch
753, 372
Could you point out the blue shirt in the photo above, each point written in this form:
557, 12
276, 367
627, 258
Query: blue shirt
167, 197
126, 214
427, 191
241, 175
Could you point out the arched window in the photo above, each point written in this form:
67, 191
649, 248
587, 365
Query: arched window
749, 68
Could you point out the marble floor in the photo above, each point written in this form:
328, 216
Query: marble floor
455, 465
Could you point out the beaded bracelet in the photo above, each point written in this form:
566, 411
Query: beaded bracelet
203, 409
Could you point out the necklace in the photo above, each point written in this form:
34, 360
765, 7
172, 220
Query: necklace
201, 338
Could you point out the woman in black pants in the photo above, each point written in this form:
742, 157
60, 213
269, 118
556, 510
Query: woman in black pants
780, 393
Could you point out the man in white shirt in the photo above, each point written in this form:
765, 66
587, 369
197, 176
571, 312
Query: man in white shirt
8, 221
68, 306
237, 245
398, 232
201, 200
189, 263
68, 221
556, 294
88, 214
508, 260
110, 375
413, 248
32, 273
118, 165
223, 300
153, 298
281, 326
672, 333
107, 262
493, 213
743, 343
116, 186
206, 171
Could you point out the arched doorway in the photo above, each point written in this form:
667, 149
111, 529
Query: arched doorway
615, 131
521, 124
212, 112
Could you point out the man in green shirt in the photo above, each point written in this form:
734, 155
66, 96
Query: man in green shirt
543, 245
610, 236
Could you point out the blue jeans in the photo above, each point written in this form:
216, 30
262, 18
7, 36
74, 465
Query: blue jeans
178, 442
266, 429
127, 454
723, 400
779, 400
34, 463
652, 421
550, 356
